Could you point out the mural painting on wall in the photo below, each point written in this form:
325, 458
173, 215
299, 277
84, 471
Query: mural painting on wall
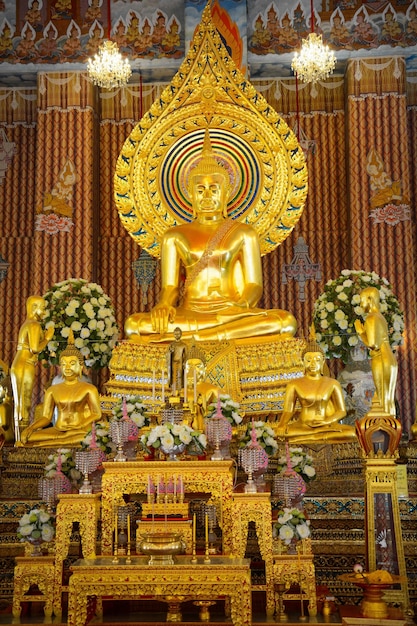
55, 213
388, 203
350, 25
59, 31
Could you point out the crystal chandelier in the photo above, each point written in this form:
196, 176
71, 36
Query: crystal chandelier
315, 61
108, 68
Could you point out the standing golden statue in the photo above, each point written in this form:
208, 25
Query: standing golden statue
77, 404
321, 401
31, 341
176, 358
223, 268
374, 334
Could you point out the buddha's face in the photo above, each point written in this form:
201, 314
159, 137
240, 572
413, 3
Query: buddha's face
70, 366
313, 362
208, 193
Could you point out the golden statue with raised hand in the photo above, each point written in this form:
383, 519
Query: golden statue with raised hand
374, 334
222, 261
77, 404
31, 341
321, 401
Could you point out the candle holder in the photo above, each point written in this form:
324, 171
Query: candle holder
50, 488
211, 512
87, 461
252, 458
218, 429
289, 485
119, 434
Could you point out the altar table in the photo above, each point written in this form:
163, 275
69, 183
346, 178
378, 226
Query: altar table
223, 577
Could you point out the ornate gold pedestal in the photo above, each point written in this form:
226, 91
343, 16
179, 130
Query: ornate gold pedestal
84, 509
180, 527
255, 507
38, 571
253, 371
295, 569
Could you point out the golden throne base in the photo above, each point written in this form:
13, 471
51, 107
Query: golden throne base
254, 372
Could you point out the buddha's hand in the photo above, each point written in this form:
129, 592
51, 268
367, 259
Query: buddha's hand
358, 326
49, 333
161, 316
25, 434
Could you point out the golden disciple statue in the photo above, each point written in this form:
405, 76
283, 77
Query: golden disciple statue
321, 403
222, 261
176, 358
200, 392
374, 334
31, 341
77, 403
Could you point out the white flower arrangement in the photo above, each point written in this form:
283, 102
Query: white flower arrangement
264, 435
64, 462
84, 308
229, 408
291, 524
133, 409
336, 309
168, 435
300, 461
36, 526
99, 433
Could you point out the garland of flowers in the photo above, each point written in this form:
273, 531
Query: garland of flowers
300, 462
84, 308
36, 526
338, 306
291, 524
264, 435
168, 435
229, 409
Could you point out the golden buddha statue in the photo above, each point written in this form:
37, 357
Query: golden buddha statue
321, 401
31, 341
200, 392
374, 334
176, 358
77, 403
223, 268
6, 413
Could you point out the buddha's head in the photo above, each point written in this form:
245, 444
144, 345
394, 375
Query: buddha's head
369, 298
209, 183
71, 360
313, 358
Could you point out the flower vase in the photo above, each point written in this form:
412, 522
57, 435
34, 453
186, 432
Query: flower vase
292, 546
36, 547
149, 455
173, 452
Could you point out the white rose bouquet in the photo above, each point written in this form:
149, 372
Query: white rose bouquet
229, 408
36, 526
135, 411
291, 524
99, 435
264, 435
300, 462
84, 308
336, 309
62, 461
168, 435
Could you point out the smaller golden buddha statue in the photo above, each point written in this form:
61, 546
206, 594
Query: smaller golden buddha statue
6, 413
322, 405
77, 403
200, 392
374, 334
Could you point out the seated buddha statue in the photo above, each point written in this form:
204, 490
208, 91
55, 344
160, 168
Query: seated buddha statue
77, 403
223, 270
321, 403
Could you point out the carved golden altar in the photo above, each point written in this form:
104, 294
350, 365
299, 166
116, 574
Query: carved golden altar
224, 577
39, 571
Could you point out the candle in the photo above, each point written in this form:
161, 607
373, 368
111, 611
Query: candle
194, 530
185, 388
115, 531
207, 532
195, 385
128, 529
175, 487
153, 385
163, 385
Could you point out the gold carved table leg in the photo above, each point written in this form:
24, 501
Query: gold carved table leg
29, 571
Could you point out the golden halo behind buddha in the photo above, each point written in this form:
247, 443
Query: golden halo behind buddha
264, 161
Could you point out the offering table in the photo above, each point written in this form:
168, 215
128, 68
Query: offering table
101, 576
213, 477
